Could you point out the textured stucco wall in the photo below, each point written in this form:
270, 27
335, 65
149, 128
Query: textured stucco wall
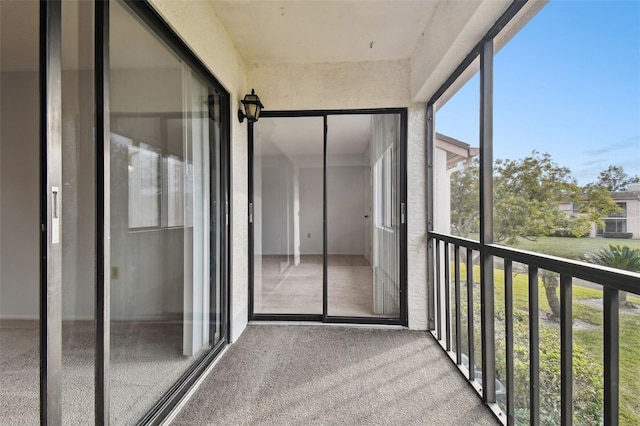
346, 85
416, 217
358, 85
454, 29
199, 27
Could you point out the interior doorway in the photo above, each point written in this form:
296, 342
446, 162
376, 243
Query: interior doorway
326, 216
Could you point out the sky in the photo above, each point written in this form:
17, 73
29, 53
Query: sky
568, 83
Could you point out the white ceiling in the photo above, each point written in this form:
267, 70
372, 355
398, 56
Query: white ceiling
325, 30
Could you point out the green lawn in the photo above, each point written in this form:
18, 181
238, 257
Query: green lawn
571, 248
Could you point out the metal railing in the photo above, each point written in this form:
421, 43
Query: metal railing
445, 320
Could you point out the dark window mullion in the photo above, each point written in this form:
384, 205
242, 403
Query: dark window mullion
102, 110
50, 175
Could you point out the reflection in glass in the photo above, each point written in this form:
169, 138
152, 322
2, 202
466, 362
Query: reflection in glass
19, 212
166, 308
78, 213
144, 186
288, 215
363, 222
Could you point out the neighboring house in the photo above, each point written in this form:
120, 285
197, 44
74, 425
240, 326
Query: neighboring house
626, 221
451, 155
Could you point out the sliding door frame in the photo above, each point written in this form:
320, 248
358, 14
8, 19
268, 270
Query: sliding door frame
148, 15
402, 318
50, 170
50, 77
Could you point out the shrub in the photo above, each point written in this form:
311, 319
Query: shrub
566, 233
587, 377
625, 235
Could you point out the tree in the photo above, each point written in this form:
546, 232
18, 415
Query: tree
621, 257
615, 179
465, 203
595, 203
550, 283
527, 193
526, 204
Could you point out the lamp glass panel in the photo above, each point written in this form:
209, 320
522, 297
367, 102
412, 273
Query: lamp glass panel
250, 111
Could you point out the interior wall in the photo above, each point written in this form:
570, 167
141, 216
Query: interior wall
311, 211
277, 205
346, 208
19, 193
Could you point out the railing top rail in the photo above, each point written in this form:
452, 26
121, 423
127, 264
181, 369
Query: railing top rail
605, 276
465, 242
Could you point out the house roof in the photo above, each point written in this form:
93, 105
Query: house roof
626, 195
457, 151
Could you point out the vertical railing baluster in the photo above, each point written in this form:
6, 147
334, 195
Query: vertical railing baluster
447, 297
566, 349
509, 344
611, 355
431, 285
438, 292
456, 260
534, 348
471, 354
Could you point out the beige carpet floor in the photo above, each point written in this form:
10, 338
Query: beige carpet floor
297, 289
146, 359
332, 375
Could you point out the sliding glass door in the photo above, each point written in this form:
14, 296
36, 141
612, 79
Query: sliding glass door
287, 216
114, 197
327, 216
363, 215
165, 216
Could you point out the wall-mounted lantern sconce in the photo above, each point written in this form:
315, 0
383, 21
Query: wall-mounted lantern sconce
252, 108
